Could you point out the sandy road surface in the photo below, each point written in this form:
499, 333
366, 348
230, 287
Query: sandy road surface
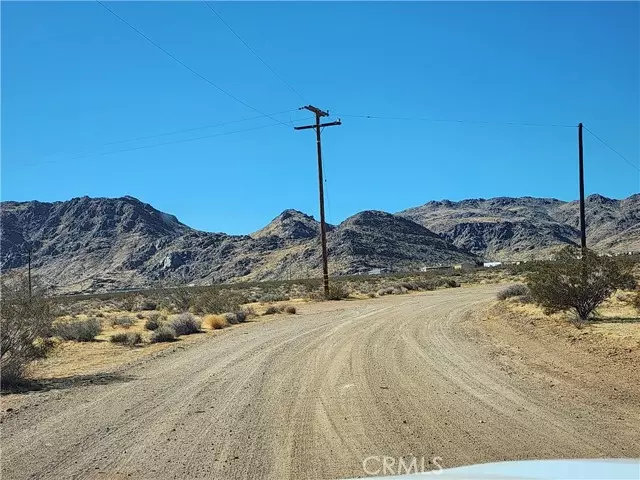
312, 396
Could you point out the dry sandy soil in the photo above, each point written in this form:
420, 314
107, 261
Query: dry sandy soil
313, 395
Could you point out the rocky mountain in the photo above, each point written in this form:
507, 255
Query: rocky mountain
523, 228
98, 244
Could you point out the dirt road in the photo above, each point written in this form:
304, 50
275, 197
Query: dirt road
314, 395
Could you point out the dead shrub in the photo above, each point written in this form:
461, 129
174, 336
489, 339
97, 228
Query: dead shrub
215, 322
290, 309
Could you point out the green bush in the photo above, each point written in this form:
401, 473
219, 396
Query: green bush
163, 333
128, 338
25, 323
574, 283
78, 330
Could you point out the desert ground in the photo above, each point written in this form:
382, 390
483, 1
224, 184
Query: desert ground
445, 374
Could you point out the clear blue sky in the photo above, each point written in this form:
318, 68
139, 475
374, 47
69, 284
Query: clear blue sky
75, 78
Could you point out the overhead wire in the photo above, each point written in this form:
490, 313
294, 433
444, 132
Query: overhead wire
255, 54
174, 142
180, 62
612, 149
439, 120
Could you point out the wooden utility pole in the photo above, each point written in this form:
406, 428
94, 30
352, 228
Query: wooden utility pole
583, 226
323, 228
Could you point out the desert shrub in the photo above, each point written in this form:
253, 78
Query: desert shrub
164, 333
25, 322
249, 312
128, 302
181, 298
450, 283
271, 310
139, 316
516, 290
635, 300
99, 315
147, 304
78, 330
577, 284
218, 301
241, 316
273, 297
337, 291
123, 322
230, 317
385, 291
371, 295
185, 324
127, 338
153, 322
215, 322
290, 309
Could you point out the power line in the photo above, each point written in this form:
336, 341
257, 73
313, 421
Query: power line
177, 60
436, 120
255, 54
192, 129
612, 149
169, 143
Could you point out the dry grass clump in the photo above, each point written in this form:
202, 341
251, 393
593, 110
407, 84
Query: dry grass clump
290, 309
215, 322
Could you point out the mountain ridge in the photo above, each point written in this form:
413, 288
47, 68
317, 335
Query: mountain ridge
96, 244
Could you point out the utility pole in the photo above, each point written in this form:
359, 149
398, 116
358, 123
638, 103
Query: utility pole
583, 227
323, 228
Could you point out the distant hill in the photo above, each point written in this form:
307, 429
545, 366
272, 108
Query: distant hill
523, 228
97, 244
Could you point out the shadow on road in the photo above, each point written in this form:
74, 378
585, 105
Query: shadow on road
43, 385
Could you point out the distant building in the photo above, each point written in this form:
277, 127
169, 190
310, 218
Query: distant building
491, 264
464, 266
375, 271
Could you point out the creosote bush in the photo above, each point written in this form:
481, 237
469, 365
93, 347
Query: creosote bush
163, 333
128, 338
337, 291
576, 284
517, 290
153, 322
78, 330
123, 322
185, 324
25, 323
